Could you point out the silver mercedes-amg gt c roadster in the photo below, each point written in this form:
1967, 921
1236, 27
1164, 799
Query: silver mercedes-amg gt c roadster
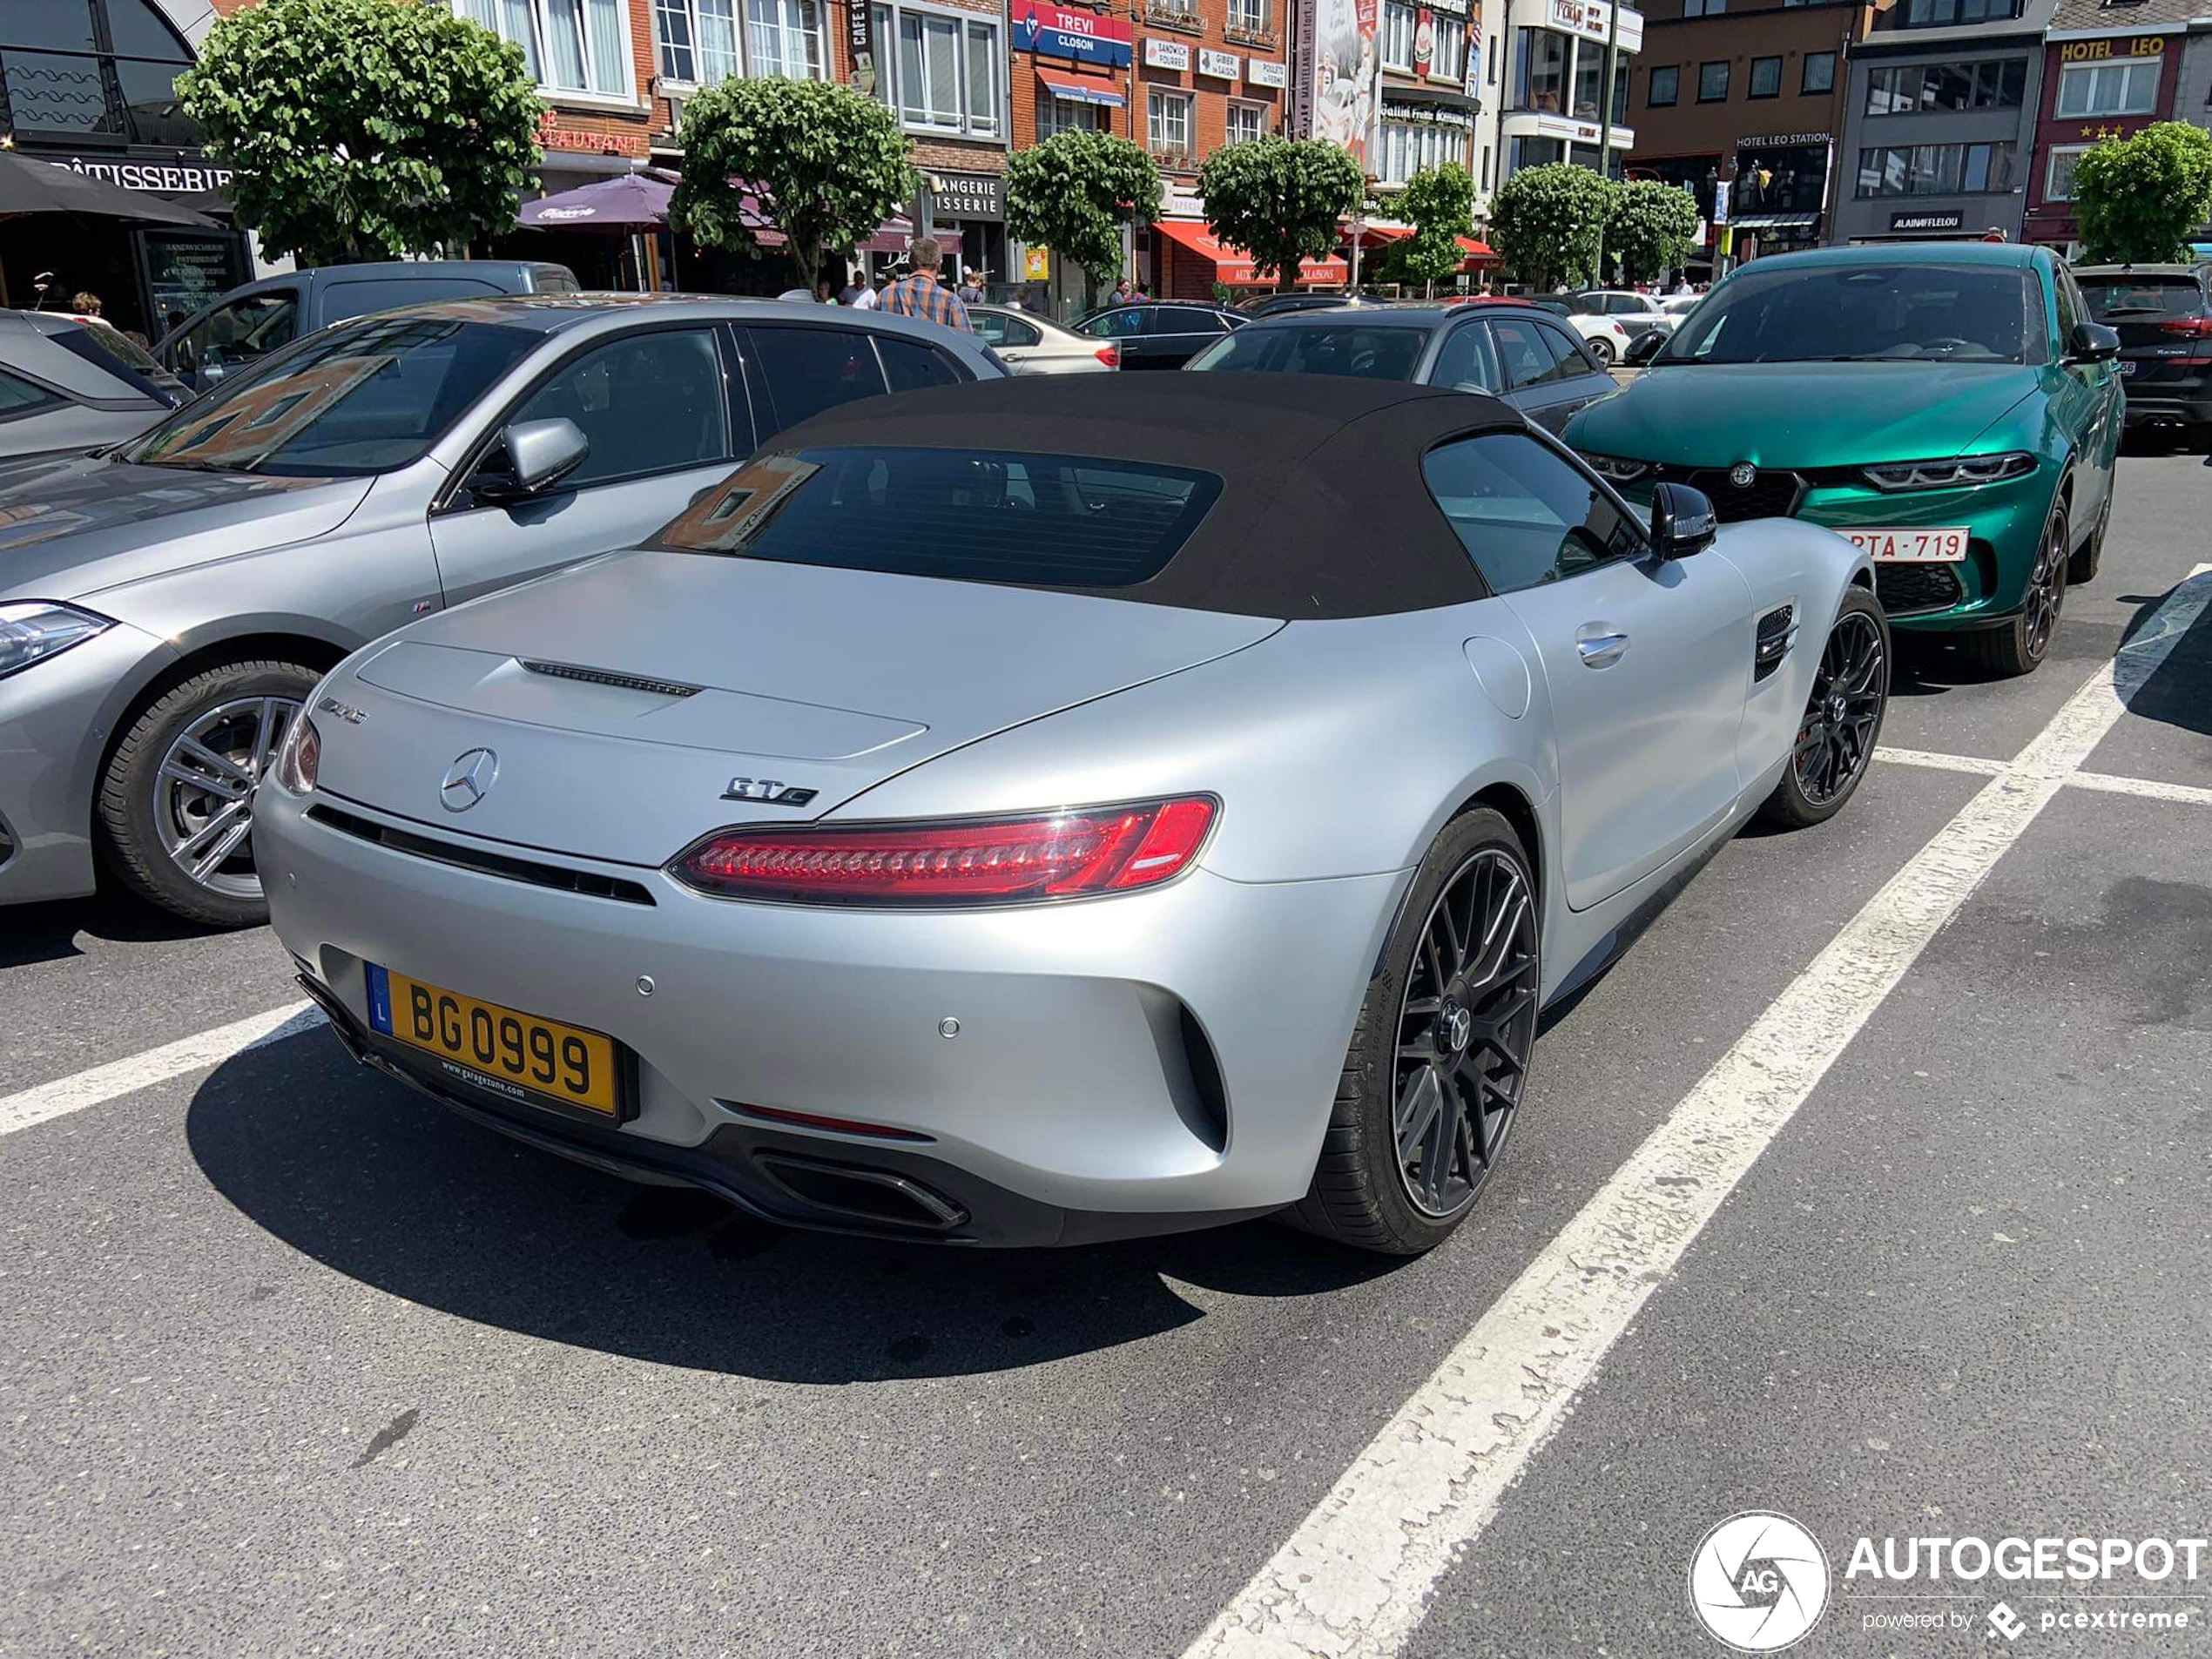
1036, 811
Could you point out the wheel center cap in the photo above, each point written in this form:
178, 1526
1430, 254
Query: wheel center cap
1458, 1027
1836, 709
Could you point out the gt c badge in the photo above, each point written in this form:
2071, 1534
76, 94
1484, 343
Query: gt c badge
468, 780
768, 792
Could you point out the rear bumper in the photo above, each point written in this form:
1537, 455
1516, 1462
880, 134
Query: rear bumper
1121, 1067
2179, 405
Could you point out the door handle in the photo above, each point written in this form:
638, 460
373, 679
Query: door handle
1600, 650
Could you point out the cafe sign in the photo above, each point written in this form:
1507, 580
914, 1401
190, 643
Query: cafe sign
967, 195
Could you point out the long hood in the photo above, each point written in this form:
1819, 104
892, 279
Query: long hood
626, 698
1800, 415
74, 525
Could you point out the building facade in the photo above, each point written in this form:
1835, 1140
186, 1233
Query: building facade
2109, 72
1552, 92
1740, 102
1939, 121
89, 85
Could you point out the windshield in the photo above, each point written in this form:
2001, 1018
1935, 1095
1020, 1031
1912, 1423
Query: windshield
2142, 296
362, 398
970, 515
1370, 351
1830, 313
123, 357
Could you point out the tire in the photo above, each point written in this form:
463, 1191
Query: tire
155, 823
1601, 349
1842, 718
2020, 644
2083, 567
1363, 1192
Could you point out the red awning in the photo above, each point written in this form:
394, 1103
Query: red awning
1078, 89
1382, 235
1233, 267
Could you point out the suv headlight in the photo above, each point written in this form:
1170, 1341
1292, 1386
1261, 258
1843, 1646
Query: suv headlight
36, 629
1961, 472
1617, 469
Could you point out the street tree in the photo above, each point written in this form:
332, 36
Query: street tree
1651, 229
826, 163
1438, 203
1280, 200
358, 129
2137, 199
1075, 192
1546, 223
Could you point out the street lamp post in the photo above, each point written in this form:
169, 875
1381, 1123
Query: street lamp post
1605, 119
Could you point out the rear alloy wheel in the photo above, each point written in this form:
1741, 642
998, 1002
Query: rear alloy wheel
177, 798
2020, 644
1438, 1063
1843, 717
1601, 349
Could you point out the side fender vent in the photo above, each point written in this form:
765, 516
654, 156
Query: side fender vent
1777, 631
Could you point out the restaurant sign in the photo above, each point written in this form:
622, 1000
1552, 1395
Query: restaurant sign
1082, 37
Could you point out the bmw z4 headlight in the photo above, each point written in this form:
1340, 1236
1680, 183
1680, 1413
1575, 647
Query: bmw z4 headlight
1961, 472
1617, 469
34, 630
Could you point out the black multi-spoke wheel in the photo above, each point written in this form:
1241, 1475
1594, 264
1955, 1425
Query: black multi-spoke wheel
1439, 1064
1465, 1024
2019, 645
1842, 719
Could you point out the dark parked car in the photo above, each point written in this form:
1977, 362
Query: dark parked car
249, 322
1521, 353
2163, 315
1274, 304
69, 384
1159, 334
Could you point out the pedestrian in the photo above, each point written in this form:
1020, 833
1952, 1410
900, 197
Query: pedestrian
1136, 295
850, 294
1120, 295
866, 298
1681, 284
971, 288
826, 291
919, 293
86, 305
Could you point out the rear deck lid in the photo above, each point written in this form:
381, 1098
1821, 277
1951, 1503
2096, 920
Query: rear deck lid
635, 703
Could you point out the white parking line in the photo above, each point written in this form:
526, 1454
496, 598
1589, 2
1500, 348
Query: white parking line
1942, 763
1355, 1576
45, 1101
2149, 788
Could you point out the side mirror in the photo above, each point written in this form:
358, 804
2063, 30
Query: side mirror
2091, 342
1643, 348
530, 457
1682, 521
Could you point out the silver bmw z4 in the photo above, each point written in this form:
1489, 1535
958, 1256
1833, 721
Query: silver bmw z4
1036, 812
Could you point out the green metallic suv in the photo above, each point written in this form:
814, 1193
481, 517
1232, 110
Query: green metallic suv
1948, 406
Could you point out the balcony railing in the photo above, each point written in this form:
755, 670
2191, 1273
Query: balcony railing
1238, 34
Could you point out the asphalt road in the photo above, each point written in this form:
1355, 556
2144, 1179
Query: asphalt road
292, 1362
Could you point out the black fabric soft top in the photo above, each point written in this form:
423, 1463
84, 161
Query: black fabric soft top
1324, 513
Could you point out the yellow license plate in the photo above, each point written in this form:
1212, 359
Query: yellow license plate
503, 1049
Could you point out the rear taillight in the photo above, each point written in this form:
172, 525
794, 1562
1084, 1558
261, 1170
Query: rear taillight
1110, 355
2191, 327
954, 861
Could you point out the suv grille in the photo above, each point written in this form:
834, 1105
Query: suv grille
1905, 590
1770, 495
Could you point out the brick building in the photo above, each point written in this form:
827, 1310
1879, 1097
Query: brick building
2109, 72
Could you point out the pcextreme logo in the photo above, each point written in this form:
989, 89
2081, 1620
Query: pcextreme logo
1759, 1582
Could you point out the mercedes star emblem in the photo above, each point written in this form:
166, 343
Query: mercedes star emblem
468, 780
1742, 474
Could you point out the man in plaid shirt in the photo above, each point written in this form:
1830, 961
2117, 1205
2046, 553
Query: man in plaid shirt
920, 294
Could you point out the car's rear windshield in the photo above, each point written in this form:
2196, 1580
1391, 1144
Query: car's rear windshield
2123, 298
363, 397
117, 354
1370, 351
1872, 312
999, 515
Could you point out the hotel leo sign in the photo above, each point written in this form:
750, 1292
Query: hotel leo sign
2088, 51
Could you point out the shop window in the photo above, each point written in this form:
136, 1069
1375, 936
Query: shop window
568, 46
1766, 78
947, 74
1666, 87
1819, 74
698, 40
2125, 88
1712, 83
